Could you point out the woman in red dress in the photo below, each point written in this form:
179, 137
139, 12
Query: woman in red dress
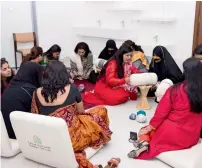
177, 122
113, 86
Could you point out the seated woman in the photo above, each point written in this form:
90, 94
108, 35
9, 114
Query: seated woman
35, 55
113, 86
198, 52
177, 121
104, 56
53, 53
165, 67
109, 50
138, 58
82, 62
6, 74
18, 95
58, 98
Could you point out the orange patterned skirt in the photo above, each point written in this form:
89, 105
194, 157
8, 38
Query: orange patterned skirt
90, 129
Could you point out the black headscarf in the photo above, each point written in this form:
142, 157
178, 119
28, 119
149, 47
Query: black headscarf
106, 54
167, 67
29, 75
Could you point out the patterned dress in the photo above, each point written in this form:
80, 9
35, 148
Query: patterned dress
87, 129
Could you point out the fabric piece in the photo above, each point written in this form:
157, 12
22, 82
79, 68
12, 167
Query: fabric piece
128, 70
88, 87
141, 60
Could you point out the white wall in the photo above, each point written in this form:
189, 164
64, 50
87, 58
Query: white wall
56, 22
15, 18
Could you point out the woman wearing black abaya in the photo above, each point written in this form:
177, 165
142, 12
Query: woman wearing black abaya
106, 54
165, 67
109, 50
18, 94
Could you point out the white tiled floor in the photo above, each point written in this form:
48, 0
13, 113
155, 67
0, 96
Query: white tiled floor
119, 146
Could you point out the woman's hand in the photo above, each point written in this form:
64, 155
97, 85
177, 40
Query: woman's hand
155, 86
127, 80
145, 130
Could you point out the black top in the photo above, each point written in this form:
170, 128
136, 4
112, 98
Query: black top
18, 95
73, 96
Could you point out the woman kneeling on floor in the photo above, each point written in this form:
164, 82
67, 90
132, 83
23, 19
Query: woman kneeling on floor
58, 98
177, 122
113, 85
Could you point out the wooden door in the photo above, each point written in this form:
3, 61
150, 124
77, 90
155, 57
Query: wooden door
197, 25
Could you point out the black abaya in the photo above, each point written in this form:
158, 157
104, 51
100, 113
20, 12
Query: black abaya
18, 94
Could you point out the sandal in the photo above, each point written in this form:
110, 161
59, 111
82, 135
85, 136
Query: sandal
136, 144
139, 144
98, 166
136, 153
113, 163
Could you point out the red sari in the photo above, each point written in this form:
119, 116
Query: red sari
176, 127
110, 90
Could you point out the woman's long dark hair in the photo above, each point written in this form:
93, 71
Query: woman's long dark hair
118, 56
84, 46
192, 83
34, 53
3, 85
198, 50
55, 78
50, 51
135, 47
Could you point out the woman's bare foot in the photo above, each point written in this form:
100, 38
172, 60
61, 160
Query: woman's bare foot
113, 163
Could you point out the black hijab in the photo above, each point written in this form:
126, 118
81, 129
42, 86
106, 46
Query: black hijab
167, 67
29, 75
106, 54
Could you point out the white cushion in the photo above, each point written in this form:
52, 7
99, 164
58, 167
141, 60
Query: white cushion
187, 158
99, 63
162, 88
9, 147
45, 140
143, 79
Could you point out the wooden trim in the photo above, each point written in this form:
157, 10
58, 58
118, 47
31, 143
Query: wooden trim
34, 35
196, 23
15, 49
